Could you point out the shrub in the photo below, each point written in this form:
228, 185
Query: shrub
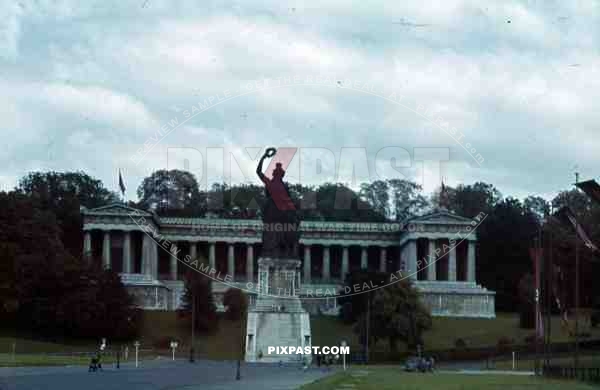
504, 344
530, 339
236, 303
346, 313
164, 342
460, 343
595, 318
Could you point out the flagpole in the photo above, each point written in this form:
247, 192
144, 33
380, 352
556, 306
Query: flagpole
537, 300
122, 188
576, 359
537, 305
549, 288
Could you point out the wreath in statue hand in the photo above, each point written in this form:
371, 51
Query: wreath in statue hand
270, 152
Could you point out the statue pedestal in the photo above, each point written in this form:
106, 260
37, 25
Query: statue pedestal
278, 318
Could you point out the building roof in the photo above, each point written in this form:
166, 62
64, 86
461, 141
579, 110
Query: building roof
439, 217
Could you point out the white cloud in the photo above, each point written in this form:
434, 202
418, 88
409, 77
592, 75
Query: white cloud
97, 86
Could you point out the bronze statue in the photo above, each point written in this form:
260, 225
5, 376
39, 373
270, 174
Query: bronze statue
280, 220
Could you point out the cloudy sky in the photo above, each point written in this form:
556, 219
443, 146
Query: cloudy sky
502, 92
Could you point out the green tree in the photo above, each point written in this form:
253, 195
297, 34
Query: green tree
470, 200
539, 206
527, 302
396, 199
505, 237
47, 289
173, 192
236, 303
198, 294
64, 193
396, 315
406, 199
354, 302
54, 188
238, 201
336, 202
376, 193
95, 303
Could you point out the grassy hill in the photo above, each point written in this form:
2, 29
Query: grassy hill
159, 328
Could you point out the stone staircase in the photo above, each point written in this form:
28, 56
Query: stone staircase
272, 304
278, 329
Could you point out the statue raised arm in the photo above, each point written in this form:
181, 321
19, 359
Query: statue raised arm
280, 238
270, 152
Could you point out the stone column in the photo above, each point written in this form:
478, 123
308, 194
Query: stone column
431, 258
173, 262
154, 257
146, 255
106, 250
127, 265
193, 250
326, 263
231, 261
452, 264
402, 264
471, 261
149, 257
249, 263
307, 264
364, 258
345, 262
382, 259
211, 255
87, 243
412, 259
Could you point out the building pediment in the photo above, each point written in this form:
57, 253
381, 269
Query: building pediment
440, 217
117, 209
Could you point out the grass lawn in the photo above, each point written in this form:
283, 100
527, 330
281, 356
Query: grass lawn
529, 364
384, 378
20, 360
25, 344
224, 343
158, 328
476, 332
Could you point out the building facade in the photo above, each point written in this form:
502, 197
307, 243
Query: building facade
437, 251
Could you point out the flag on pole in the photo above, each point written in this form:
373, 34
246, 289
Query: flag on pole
536, 256
568, 216
591, 188
121, 184
558, 289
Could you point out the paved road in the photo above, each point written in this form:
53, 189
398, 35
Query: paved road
164, 375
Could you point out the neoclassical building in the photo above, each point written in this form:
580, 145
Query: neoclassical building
437, 251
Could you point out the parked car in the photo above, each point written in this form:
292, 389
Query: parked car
412, 364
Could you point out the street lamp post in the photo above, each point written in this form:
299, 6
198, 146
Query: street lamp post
174, 345
344, 343
193, 322
137, 350
368, 323
238, 374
